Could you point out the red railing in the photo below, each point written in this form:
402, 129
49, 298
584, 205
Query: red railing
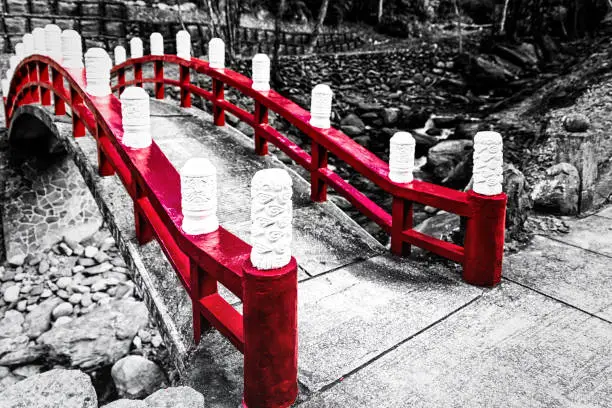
482, 253
266, 332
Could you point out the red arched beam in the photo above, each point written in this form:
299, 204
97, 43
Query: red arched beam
267, 331
482, 253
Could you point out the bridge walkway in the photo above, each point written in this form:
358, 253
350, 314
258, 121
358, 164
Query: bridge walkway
375, 330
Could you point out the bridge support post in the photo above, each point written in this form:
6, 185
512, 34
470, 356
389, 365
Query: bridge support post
78, 126
485, 229
401, 220
46, 92
261, 118
158, 68
185, 80
202, 285
34, 94
270, 296
58, 85
144, 231
318, 188
218, 91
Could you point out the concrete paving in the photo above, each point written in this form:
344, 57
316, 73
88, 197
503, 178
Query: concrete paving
377, 330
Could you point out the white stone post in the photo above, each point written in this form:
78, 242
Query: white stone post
5, 87
53, 42
261, 72
39, 41
199, 197
156, 43
136, 48
401, 157
271, 217
9, 74
72, 49
216, 53
97, 72
13, 62
136, 117
488, 163
120, 55
320, 106
183, 45
28, 45
20, 51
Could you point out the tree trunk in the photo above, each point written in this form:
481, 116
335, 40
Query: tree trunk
316, 31
380, 11
275, 77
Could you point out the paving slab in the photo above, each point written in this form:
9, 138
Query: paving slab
511, 347
606, 212
593, 233
573, 275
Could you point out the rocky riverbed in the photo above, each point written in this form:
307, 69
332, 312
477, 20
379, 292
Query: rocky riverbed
75, 307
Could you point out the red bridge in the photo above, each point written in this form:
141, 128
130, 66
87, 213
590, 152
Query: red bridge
266, 331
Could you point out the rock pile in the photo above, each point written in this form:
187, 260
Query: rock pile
76, 307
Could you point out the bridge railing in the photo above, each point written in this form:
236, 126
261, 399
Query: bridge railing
176, 210
482, 252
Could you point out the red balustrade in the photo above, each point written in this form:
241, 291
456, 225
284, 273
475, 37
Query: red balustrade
482, 253
266, 332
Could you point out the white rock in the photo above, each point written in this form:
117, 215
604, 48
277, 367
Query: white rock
63, 309
62, 320
11, 294
137, 377
17, 260
63, 282
90, 251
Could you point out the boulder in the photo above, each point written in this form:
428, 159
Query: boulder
10, 325
175, 397
446, 155
352, 125
137, 377
98, 338
576, 122
559, 191
18, 350
55, 388
391, 116
440, 225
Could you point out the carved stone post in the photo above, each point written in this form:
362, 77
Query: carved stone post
20, 51
136, 48
488, 163
156, 42
53, 42
261, 72
485, 229
199, 197
271, 216
39, 41
183, 45
216, 53
97, 72
28, 45
13, 62
320, 106
401, 157
136, 118
270, 296
72, 49
120, 55
5, 87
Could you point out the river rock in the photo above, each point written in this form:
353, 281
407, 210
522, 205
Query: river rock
11, 324
11, 294
126, 403
55, 388
352, 125
98, 338
18, 350
175, 397
576, 122
38, 320
137, 377
17, 260
558, 192
446, 155
63, 309
519, 202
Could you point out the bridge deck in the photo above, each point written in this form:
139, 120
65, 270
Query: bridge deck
374, 330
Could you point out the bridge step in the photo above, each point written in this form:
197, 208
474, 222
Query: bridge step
356, 301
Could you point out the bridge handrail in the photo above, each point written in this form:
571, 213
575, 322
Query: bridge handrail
483, 247
199, 260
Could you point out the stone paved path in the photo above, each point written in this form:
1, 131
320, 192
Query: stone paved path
381, 331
